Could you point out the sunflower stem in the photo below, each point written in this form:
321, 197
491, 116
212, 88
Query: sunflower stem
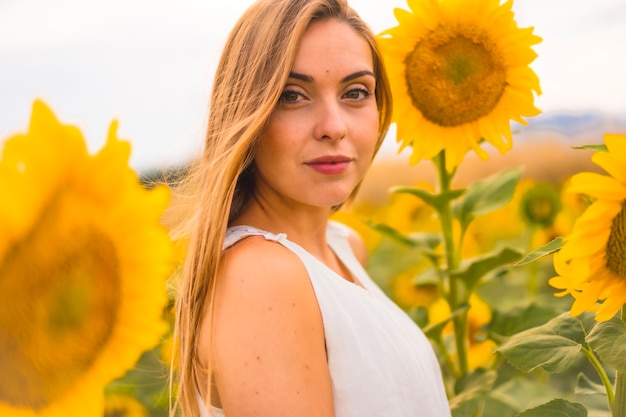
452, 261
618, 407
531, 268
602, 373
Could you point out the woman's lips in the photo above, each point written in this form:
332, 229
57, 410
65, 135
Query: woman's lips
330, 165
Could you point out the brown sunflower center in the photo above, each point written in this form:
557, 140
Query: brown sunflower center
616, 245
455, 75
61, 289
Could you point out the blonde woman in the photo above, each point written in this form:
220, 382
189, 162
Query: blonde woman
276, 315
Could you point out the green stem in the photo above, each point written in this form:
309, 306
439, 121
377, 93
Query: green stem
452, 261
619, 405
531, 269
602, 373
459, 246
448, 362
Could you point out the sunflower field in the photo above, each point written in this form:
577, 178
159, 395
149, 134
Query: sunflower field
518, 282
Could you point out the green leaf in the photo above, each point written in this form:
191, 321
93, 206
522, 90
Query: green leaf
547, 249
146, 382
554, 346
436, 201
391, 232
419, 316
556, 408
391, 258
487, 195
474, 269
519, 392
519, 319
471, 389
425, 241
601, 148
586, 386
608, 341
429, 276
433, 331
587, 319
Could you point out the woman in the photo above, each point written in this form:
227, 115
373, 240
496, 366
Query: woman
275, 314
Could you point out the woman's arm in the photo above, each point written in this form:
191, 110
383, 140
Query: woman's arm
269, 349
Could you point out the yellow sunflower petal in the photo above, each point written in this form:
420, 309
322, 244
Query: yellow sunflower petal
617, 147
459, 72
560, 283
584, 244
85, 270
120, 405
613, 303
598, 186
592, 263
613, 162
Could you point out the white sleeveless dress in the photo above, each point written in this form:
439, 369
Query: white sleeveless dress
380, 362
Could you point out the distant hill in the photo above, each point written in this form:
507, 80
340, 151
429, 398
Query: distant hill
572, 127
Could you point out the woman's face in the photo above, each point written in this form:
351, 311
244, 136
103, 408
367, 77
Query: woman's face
320, 139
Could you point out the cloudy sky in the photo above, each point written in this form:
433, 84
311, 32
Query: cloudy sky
149, 63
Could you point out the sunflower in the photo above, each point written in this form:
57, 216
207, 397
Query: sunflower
479, 347
407, 294
356, 217
459, 72
540, 205
83, 265
408, 213
591, 265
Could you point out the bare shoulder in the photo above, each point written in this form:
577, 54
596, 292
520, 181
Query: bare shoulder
269, 346
260, 264
261, 277
358, 246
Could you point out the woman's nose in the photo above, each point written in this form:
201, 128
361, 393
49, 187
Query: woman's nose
330, 122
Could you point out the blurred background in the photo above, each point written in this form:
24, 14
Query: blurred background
150, 65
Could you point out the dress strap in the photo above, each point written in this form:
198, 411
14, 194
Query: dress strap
235, 233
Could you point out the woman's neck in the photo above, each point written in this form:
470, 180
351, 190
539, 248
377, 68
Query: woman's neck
305, 226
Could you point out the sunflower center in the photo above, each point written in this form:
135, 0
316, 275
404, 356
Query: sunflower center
61, 290
616, 245
455, 75
540, 205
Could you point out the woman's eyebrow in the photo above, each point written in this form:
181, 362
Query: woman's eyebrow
302, 77
309, 79
357, 74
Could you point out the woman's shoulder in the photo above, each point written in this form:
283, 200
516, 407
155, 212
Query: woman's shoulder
236, 233
259, 258
341, 231
263, 299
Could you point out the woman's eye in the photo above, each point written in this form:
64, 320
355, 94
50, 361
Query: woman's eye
358, 94
290, 96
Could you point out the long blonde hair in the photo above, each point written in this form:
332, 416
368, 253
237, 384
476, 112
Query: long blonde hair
250, 77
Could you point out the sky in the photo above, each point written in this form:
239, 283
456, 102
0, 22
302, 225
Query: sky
149, 64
